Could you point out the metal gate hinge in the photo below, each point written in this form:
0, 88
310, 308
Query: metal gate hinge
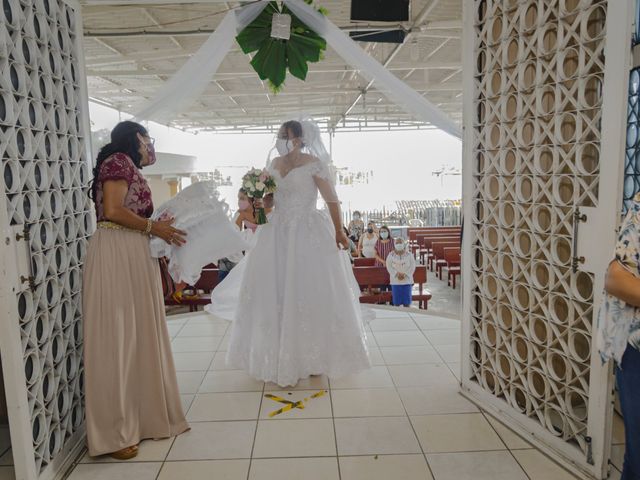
589, 451
577, 218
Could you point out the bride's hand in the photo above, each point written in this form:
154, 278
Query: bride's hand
164, 230
341, 240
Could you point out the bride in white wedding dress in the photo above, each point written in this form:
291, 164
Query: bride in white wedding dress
293, 299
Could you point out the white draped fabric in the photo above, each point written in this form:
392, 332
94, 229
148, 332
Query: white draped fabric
210, 234
182, 89
192, 79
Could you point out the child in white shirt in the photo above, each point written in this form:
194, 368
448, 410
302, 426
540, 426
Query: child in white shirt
401, 264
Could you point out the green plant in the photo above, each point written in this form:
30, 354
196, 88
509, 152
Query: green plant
273, 55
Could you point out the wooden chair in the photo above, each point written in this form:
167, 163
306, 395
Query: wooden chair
438, 255
364, 262
201, 291
424, 247
427, 256
424, 295
452, 259
208, 280
414, 232
370, 277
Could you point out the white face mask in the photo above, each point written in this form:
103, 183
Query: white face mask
384, 235
282, 145
401, 247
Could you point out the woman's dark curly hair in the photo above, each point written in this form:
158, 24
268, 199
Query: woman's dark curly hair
124, 139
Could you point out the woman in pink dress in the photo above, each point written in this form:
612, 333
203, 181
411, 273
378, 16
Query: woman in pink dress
131, 391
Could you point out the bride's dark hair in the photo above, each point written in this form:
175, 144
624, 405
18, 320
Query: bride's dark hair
295, 127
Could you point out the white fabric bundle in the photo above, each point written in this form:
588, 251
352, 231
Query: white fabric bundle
210, 233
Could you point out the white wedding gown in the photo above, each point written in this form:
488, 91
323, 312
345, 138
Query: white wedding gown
293, 299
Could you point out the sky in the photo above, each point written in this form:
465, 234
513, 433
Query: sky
402, 162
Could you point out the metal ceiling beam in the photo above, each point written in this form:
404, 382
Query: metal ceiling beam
145, 10
139, 72
208, 32
381, 110
109, 47
449, 77
153, 55
420, 19
455, 87
428, 29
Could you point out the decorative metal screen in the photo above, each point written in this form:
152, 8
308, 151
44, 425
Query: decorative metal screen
632, 156
538, 82
45, 177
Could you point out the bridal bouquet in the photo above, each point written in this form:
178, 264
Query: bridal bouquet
257, 184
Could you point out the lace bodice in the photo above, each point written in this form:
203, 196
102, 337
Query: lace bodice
297, 191
120, 167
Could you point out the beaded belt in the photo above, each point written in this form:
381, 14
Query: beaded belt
115, 226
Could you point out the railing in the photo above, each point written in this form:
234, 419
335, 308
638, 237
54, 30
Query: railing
428, 213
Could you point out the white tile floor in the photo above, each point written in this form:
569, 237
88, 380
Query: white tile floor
403, 419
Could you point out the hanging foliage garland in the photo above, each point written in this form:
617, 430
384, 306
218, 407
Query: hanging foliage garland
275, 55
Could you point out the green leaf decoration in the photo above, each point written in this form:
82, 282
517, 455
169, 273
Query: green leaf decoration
258, 31
275, 56
268, 60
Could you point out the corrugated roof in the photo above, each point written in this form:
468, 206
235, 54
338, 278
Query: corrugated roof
130, 54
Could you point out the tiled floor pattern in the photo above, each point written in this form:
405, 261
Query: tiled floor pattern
403, 419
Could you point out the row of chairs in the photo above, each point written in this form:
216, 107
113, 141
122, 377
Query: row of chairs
439, 249
201, 290
369, 277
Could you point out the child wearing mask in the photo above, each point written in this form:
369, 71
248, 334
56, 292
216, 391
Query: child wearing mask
368, 240
245, 220
246, 216
401, 264
384, 246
